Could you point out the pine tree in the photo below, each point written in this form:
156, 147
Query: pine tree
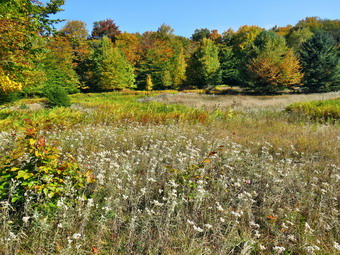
230, 72
112, 71
319, 61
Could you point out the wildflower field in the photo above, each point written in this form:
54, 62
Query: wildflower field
117, 173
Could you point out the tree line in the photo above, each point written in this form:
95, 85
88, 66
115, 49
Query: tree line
34, 57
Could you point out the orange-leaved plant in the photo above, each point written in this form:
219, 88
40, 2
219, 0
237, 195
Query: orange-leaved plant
37, 170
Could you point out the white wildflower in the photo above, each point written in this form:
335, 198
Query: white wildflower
308, 229
25, 219
279, 249
262, 247
198, 229
76, 236
190, 222
336, 246
219, 207
311, 249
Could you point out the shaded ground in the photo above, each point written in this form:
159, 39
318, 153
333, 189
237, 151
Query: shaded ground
243, 102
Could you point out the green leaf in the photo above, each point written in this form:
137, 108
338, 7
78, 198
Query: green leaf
24, 175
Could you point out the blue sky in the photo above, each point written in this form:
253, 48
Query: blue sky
186, 15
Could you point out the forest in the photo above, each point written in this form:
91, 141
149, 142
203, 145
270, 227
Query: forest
35, 57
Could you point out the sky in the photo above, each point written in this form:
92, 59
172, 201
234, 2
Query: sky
184, 16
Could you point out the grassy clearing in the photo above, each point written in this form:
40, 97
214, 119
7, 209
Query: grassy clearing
171, 179
322, 111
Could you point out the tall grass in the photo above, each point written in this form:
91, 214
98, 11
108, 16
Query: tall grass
177, 180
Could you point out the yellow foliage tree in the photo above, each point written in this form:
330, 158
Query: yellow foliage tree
7, 84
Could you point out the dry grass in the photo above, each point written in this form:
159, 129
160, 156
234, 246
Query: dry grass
239, 102
256, 182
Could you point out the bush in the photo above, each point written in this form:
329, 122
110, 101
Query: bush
321, 111
57, 96
38, 172
8, 97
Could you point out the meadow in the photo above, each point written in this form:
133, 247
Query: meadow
172, 173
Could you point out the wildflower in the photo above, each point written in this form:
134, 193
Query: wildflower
279, 249
253, 224
311, 249
190, 222
336, 246
76, 236
219, 207
25, 219
198, 229
262, 247
143, 190
208, 226
90, 202
237, 214
308, 229
222, 220
291, 238
156, 203
257, 234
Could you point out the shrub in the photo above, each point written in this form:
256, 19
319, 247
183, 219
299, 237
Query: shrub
57, 96
8, 97
37, 171
321, 111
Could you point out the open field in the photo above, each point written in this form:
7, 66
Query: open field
240, 101
177, 179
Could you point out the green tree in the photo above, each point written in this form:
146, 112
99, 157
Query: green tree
32, 13
296, 37
178, 69
111, 69
75, 29
319, 61
22, 44
229, 64
204, 66
200, 34
273, 65
58, 65
155, 60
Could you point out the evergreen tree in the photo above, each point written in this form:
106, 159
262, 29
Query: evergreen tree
111, 69
204, 66
230, 72
319, 61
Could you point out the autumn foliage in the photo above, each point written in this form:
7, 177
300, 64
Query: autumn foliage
34, 57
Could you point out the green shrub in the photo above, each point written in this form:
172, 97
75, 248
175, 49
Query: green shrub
322, 111
8, 97
38, 172
57, 96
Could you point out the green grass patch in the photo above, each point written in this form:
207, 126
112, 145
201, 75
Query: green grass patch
108, 109
325, 111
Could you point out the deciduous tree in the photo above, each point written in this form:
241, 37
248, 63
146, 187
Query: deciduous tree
273, 66
111, 70
204, 66
105, 28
